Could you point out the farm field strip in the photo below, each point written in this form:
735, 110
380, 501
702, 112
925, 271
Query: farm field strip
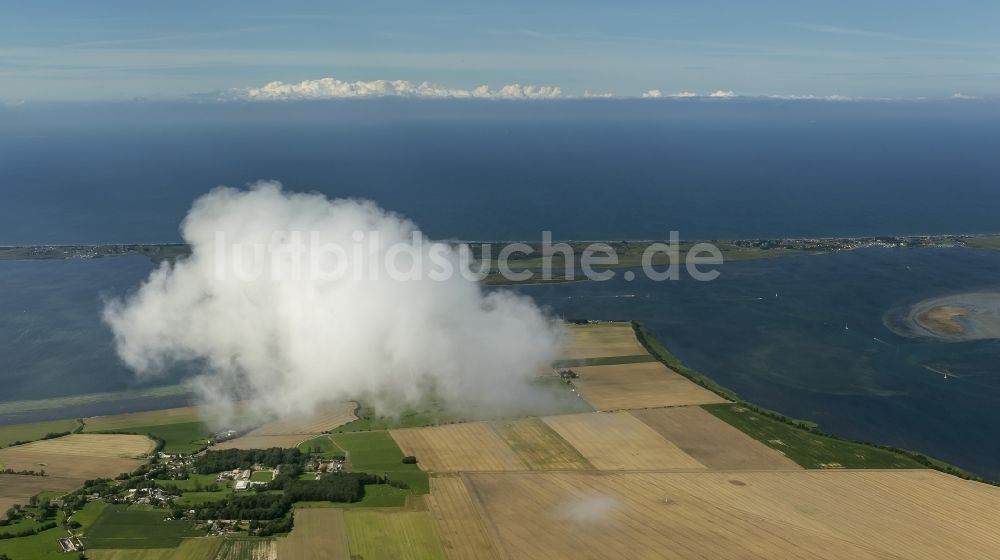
35, 430
248, 549
462, 531
119, 527
91, 445
264, 442
80, 456
189, 549
292, 432
540, 446
326, 419
472, 446
392, 535
147, 418
712, 442
717, 515
318, 534
600, 340
639, 385
619, 441
17, 489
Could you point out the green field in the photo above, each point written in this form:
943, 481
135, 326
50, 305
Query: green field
189, 549
431, 414
119, 527
261, 476
30, 432
183, 437
397, 535
321, 446
89, 514
552, 397
808, 449
984, 242
609, 361
377, 453
43, 546
195, 482
25, 524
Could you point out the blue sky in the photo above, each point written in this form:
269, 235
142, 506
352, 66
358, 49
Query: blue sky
69, 50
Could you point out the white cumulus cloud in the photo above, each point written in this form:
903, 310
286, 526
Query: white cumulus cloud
652, 94
257, 325
684, 94
722, 93
332, 88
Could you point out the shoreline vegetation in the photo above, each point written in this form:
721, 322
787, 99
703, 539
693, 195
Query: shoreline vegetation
553, 256
627, 249
801, 440
753, 420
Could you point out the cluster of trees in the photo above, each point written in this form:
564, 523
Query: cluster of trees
253, 506
270, 527
229, 459
339, 487
44, 516
198, 487
24, 472
29, 531
45, 510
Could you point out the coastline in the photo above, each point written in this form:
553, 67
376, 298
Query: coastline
166, 397
661, 353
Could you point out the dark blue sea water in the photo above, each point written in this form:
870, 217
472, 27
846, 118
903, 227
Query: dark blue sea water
52, 340
493, 170
585, 170
788, 352
774, 331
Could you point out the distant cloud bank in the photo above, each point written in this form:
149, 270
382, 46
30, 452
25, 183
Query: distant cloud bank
332, 88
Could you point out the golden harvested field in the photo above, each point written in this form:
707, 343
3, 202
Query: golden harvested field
458, 447
600, 340
642, 385
80, 456
462, 532
850, 515
711, 441
147, 418
318, 534
264, 442
619, 441
292, 432
16, 489
539, 445
326, 419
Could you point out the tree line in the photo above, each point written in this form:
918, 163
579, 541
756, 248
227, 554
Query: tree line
229, 459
